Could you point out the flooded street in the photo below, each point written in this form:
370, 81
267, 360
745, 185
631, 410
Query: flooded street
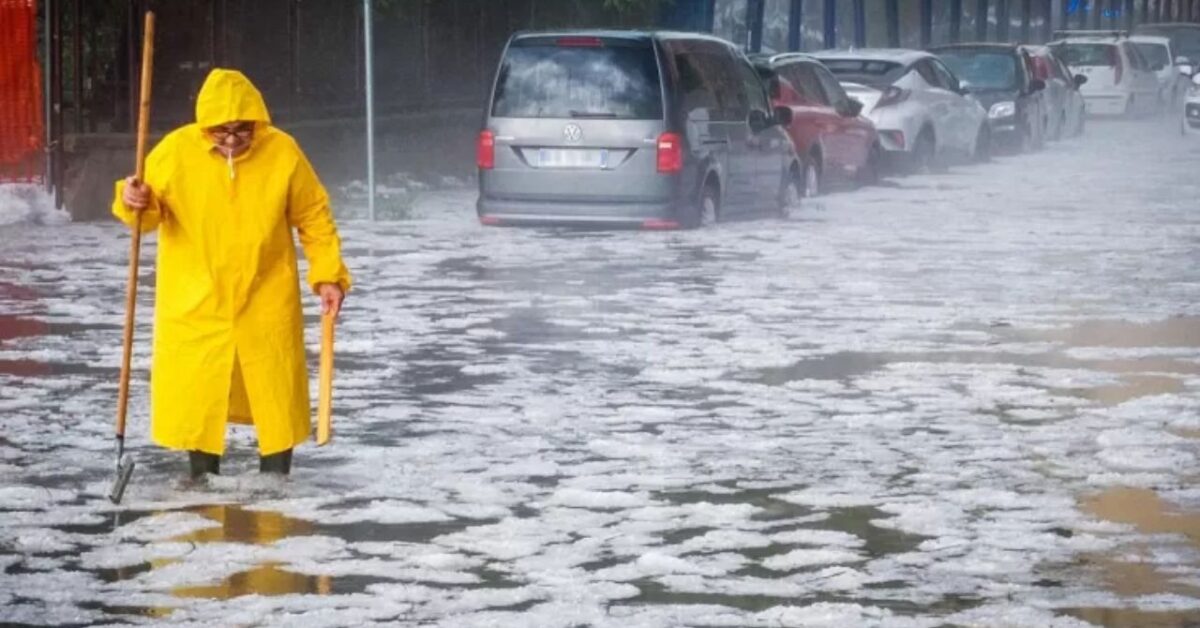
962, 399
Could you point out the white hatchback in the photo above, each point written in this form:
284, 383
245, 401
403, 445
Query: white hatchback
921, 111
1119, 79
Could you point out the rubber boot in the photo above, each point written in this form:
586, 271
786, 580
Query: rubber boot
280, 463
203, 462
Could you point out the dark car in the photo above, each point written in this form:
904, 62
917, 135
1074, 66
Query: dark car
832, 138
1000, 76
631, 129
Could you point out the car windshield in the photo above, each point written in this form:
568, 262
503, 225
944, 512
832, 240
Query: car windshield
983, 70
579, 77
1156, 54
866, 71
1087, 54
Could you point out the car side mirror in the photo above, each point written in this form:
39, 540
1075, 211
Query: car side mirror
1196, 80
1080, 80
759, 120
964, 88
1036, 85
1185, 69
783, 116
849, 108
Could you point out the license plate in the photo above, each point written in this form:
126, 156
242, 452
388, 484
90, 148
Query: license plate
572, 158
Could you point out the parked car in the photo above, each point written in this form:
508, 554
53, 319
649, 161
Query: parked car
1120, 81
1000, 77
1190, 125
1172, 82
1184, 36
920, 111
834, 141
1063, 104
630, 128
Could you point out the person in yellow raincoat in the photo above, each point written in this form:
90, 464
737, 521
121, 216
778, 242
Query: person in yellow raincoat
225, 194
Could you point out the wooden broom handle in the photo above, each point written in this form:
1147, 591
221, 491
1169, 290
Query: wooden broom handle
325, 388
135, 243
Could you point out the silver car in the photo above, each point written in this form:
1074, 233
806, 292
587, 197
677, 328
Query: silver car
636, 129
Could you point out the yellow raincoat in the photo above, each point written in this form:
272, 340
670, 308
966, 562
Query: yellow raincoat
228, 330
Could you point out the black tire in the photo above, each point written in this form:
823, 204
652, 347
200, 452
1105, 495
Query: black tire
924, 154
868, 174
983, 144
707, 210
791, 193
810, 176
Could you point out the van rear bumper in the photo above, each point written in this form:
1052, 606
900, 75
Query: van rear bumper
665, 214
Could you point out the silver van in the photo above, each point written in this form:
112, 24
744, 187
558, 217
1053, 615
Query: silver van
650, 130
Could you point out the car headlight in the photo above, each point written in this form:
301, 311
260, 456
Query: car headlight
1005, 109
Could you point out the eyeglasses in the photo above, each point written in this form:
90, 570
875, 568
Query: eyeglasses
221, 133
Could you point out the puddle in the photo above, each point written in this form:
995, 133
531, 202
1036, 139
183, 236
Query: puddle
238, 525
1141, 376
1145, 510
1149, 514
1131, 387
1181, 331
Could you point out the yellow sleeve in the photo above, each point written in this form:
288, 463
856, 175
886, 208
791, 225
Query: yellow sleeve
309, 212
157, 174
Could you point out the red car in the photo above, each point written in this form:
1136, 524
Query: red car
834, 142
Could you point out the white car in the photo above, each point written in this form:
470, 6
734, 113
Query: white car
1172, 82
1119, 80
922, 114
1190, 125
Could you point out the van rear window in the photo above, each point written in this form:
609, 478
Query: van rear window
565, 78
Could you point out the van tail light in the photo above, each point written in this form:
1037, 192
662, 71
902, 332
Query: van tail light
485, 150
659, 224
1118, 66
670, 153
892, 95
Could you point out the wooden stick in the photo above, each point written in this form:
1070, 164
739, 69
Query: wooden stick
325, 394
135, 242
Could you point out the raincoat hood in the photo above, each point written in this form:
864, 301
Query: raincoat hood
227, 95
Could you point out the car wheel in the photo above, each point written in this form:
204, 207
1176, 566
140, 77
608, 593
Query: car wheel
868, 173
983, 144
791, 193
707, 208
924, 152
710, 205
811, 179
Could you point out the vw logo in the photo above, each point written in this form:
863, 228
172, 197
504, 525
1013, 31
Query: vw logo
572, 133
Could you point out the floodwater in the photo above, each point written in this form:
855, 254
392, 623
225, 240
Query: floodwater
962, 399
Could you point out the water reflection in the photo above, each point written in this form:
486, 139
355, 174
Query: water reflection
239, 525
265, 580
